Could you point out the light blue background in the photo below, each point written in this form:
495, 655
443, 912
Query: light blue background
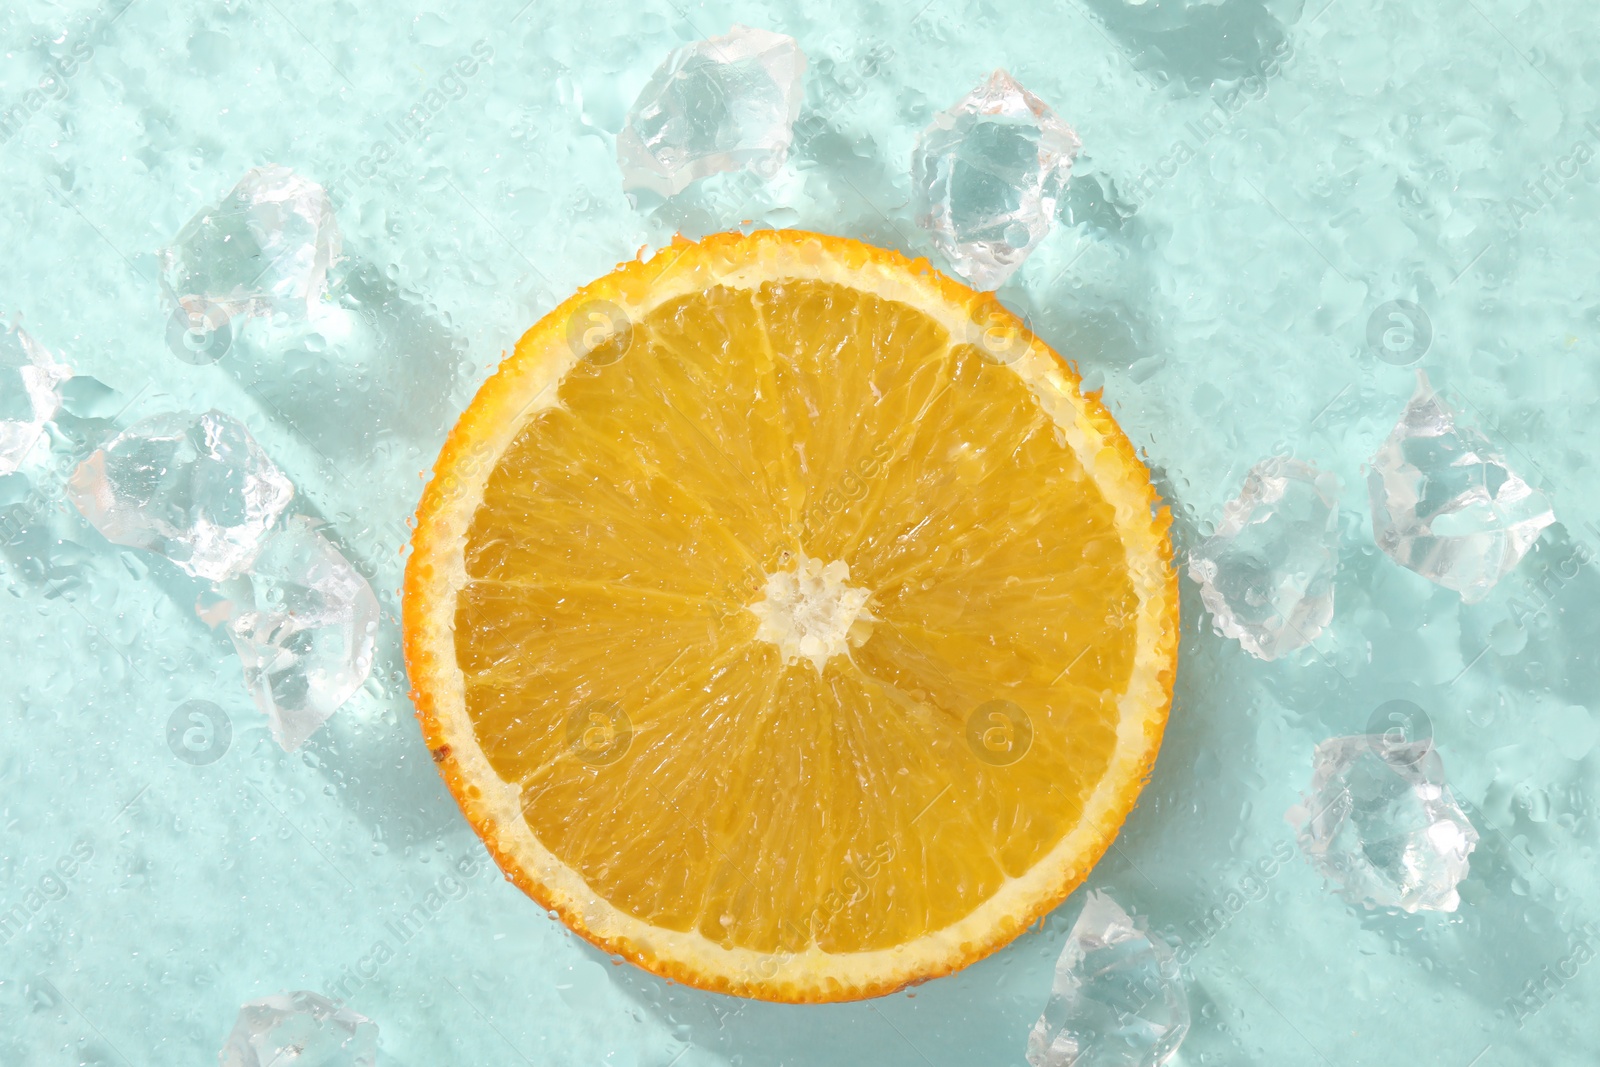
1223, 300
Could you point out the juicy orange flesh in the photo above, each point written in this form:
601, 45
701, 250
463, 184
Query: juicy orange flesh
767, 806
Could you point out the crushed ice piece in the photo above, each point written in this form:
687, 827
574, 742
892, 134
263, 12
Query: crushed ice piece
1267, 573
714, 105
266, 248
1118, 999
1444, 503
305, 629
30, 396
299, 1029
197, 489
1381, 824
986, 175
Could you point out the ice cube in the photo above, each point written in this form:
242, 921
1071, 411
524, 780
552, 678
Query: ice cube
1118, 999
299, 1029
1267, 573
30, 396
198, 490
1381, 824
266, 248
714, 105
1446, 505
305, 629
986, 176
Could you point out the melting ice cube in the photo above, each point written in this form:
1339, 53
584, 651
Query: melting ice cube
299, 1029
198, 490
986, 176
1382, 825
305, 629
714, 105
1118, 999
30, 381
266, 248
1445, 504
1267, 572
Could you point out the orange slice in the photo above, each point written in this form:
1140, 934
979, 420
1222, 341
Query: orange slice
784, 617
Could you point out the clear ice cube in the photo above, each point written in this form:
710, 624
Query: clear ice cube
714, 105
986, 176
197, 489
1118, 999
266, 248
305, 624
1382, 826
1446, 505
1266, 574
299, 1029
30, 396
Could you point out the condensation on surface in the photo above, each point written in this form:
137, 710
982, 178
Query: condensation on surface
1259, 180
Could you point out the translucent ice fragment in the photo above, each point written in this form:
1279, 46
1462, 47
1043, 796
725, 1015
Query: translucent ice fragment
30, 395
299, 1029
198, 490
1445, 504
305, 630
266, 248
714, 105
1381, 824
1267, 572
986, 176
1118, 999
